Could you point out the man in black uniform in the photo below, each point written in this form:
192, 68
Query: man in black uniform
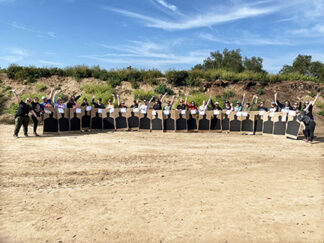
21, 117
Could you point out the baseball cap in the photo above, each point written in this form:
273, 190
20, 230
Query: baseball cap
43, 97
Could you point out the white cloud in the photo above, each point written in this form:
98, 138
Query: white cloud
22, 27
14, 55
167, 5
148, 54
248, 39
50, 63
201, 20
315, 31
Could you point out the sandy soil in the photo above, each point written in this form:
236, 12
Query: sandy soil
154, 187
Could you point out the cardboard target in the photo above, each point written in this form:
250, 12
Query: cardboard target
63, 116
258, 123
169, 121
145, 122
181, 120
75, 119
96, 118
192, 124
216, 121
280, 123
225, 121
293, 127
109, 119
50, 121
204, 121
86, 117
268, 122
248, 119
121, 120
235, 121
133, 120
156, 120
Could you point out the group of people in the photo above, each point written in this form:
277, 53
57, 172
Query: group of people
304, 112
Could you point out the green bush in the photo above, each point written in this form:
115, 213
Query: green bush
13, 108
100, 91
2, 100
6, 88
162, 89
177, 78
198, 99
312, 94
143, 95
40, 87
228, 94
259, 91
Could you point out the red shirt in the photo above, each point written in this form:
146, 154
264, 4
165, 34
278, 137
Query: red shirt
191, 107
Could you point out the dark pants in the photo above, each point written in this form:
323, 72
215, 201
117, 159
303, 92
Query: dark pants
21, 121
35, 121
309, 131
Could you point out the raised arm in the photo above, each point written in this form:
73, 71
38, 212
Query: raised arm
243, 99
172, 100
208, 101
163, 96
78, 97
55, 96
92, 101
314, 101
17, 97
118, 102
51, 93
186, 99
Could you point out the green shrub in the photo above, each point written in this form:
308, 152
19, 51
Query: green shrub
312, 94
259, 91
100, 91
13, 108
178, 78
162, 89
2, 100
40, 87
228, 94
6, 88
198, 99
143, 95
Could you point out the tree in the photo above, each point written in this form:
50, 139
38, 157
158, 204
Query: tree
286, 69
302, 64
232, 60
253, 64
215, 61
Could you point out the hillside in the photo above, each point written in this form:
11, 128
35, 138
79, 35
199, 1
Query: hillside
218, 89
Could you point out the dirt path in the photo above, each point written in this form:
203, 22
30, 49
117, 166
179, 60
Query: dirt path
139, 187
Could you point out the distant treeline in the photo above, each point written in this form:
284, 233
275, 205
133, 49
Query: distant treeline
229, 66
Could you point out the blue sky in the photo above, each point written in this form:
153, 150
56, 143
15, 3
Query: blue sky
163, 34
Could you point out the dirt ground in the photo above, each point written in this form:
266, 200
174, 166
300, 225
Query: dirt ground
155, 187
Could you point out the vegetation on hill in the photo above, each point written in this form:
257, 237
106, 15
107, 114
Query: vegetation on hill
228, 65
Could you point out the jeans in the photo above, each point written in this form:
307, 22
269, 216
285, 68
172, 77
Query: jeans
35, 121
309, 130
21, 121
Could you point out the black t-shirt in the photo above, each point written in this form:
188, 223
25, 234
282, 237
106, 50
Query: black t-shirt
157, 106
182, 107
310, 112
23, 109
85, 104
134, 106
36, 108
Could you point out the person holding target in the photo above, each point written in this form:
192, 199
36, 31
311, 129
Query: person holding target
307, 119
158, 103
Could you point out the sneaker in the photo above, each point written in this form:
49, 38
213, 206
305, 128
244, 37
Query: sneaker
310, 142
15, 136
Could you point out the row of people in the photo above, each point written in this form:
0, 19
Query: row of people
36, 108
